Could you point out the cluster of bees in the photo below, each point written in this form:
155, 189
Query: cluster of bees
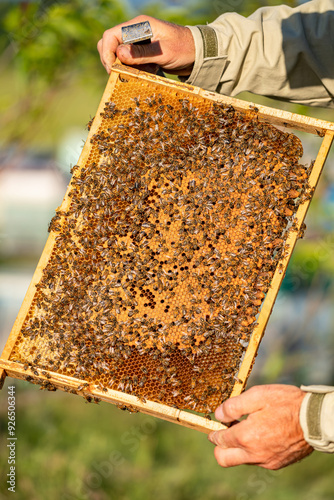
162, 258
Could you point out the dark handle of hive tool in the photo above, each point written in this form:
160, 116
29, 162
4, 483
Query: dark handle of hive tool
138, 34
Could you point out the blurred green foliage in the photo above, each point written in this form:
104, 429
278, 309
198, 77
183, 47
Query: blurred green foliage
47, 47
49, 40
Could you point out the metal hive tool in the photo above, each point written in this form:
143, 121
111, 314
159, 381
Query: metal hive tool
167, 253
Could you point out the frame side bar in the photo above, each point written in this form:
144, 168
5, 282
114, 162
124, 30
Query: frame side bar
52, 237
9, 346
269, 301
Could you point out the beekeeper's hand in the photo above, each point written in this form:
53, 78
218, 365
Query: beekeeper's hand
270, 436
172, 48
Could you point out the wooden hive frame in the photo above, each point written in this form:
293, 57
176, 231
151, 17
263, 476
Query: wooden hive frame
64, 382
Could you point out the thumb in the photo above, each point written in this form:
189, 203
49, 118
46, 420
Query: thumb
139, 54
248, 402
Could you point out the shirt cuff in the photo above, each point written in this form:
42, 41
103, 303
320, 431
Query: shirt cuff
209, 62
317, 417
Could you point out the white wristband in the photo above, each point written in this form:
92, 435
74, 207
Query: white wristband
317, 417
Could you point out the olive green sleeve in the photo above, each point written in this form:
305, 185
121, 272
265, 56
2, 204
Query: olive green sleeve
281, 52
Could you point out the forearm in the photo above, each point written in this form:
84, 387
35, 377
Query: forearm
277, 51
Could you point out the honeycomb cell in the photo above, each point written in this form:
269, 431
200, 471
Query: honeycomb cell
175, 226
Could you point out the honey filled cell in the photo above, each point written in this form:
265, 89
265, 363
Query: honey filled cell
176, 223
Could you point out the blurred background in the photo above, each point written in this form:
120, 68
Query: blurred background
51, 82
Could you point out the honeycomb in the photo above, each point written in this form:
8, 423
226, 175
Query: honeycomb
165, 249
